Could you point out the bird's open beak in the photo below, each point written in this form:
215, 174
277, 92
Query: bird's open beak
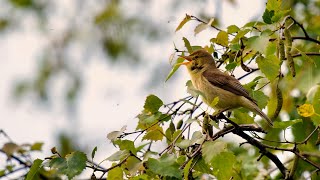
188, 58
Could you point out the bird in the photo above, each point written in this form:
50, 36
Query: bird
212, 83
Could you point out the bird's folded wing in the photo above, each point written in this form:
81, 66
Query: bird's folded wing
226, 82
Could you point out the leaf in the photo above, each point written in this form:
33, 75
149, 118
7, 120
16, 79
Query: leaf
222, 38
134, 165
233, 29
34, 169
306, 110
316, 106
126, 145
36, 146
165, 166
174, 68
274, 5
186, 170
152, 103
115, 173
119, 155
193, 91
242, 117
285, 124
261, 98
223, 165
187, 44
267, 16
211, 149
183, 22
203, 26
231, 66
93, 153
73, 164
154, 133
10, 148
115, 134
269, 66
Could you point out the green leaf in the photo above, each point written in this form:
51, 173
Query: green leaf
175, 68
115, 173
93, 153
186, 170
73, 164
34, 169
222, 38
152, 103
269, 66
166, 165
242, 117
231, 66
187, 44
267, 16
211, 149
141, 177
285, 124
316, 105
271, 49
233, 29
223, 165
261, 98
133, 165
119, 155
126, 145
154, 133
183, 22
274, 5
36, 146
202, 166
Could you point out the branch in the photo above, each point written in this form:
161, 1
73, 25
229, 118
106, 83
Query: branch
307, 53
263, 150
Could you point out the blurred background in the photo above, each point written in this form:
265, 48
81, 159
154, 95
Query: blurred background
72, 71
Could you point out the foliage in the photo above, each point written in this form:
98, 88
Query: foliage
183, 140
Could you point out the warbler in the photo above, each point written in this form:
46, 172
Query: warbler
212, 82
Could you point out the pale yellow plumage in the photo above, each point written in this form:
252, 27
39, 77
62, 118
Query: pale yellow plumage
208, 79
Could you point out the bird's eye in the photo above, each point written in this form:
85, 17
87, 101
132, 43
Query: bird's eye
196, 57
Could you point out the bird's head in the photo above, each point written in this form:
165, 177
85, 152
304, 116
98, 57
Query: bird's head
198, 60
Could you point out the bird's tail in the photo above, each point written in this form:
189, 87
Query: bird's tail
262, 114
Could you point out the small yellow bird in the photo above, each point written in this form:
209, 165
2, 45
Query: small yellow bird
208, 79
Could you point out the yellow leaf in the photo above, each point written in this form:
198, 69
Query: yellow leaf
306, 110
203, 26
183, 22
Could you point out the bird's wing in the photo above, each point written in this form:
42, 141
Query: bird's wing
226, 82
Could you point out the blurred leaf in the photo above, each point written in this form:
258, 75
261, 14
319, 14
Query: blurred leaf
4, 23
305, 110
10, 148
22, 3
285, 124
134, 165
183, 22
115, 173
34, 169
36, 146
316, 105
152, 103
